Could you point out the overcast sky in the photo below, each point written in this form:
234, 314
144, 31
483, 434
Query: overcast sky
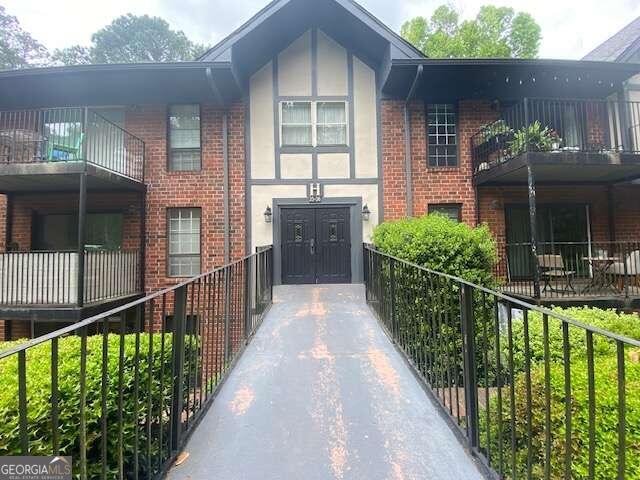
570, 28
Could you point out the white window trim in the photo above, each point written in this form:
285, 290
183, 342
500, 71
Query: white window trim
314, 122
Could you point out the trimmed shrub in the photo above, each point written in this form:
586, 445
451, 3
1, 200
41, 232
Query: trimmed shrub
441, 244
135, 418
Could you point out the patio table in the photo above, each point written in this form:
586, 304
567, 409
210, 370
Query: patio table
600, 280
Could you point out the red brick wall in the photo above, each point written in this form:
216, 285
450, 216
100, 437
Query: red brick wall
393, 172
431, 185
203, 189
627, 212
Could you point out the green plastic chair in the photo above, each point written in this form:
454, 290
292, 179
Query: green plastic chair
60, 151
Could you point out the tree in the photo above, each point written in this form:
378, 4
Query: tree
496, 32
131, 39
74, 55
18, 49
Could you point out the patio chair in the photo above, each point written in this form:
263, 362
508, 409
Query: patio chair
629, 267
552, 268
60, 149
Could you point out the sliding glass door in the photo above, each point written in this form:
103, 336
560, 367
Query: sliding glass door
562, 229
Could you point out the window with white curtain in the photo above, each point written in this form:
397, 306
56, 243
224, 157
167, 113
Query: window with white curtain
296, 123
184, 138
313, 123
184, 242
331, 124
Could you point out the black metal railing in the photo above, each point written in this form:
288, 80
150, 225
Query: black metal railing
121, 391
535, 394
558, 126
69, 134
571, 269
51, 277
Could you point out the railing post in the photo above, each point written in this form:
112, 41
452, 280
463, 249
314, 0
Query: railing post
82, 220
179, 332
469, 370
392, 284
533, 230
227, 313
247, 297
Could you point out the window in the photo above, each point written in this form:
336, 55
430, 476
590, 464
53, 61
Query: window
184, 242
331, 124
60, 232
311, 124
451, 210
296, 123
184, 138
442, 135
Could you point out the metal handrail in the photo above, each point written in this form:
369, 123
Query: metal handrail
184, 339
512, 300
478, 355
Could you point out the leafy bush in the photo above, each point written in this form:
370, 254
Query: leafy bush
606, 415
427, 313
439, 243
606, 395
136, 421
623, 324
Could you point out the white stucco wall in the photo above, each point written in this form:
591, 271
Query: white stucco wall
366, 143
263, 195
261, 123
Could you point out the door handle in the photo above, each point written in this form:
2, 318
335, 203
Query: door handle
312, 246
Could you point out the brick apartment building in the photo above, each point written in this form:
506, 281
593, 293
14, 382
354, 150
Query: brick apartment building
304, 128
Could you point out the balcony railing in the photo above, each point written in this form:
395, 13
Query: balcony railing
557, 126
571, 270
69, 134
51, 278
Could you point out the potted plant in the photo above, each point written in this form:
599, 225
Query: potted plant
534, 138
496, 131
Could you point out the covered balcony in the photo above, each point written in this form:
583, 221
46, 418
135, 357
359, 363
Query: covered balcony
45, 149
606, 273
549, 138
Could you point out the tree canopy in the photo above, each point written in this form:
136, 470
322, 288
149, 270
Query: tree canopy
496, 32
131, 39
18, 48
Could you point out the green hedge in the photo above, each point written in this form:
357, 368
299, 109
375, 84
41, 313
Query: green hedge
441, 244
606, 394
39, 400
427, 306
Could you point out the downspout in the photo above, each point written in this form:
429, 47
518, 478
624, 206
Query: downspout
225, 165
407, 141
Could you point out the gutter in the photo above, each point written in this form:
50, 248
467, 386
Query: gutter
225, 164
407, 141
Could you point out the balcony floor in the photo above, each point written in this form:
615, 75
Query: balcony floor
62, 177
582, 295
321, 393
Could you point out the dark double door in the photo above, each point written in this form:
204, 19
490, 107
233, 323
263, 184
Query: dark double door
316, 245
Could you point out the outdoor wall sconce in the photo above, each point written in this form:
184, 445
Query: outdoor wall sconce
366, 213
268, 215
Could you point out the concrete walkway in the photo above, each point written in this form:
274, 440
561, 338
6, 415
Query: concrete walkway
321, 393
